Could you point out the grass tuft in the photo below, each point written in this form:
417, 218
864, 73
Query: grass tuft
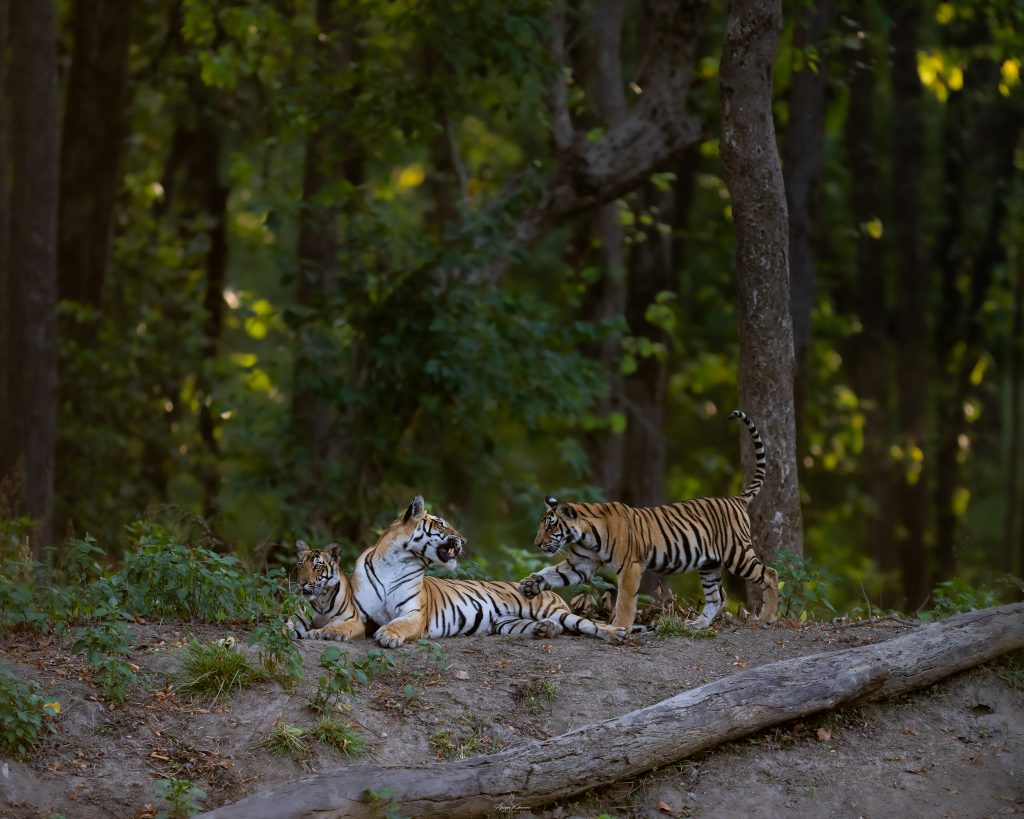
214, 669
286, 740
338, 735
672, 625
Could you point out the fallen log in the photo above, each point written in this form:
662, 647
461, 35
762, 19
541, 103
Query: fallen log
661, 734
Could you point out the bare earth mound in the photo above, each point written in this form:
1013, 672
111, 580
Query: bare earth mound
956, 749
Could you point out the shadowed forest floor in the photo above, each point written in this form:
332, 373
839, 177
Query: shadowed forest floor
956, 749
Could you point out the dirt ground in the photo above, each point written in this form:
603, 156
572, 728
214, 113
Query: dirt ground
956, 749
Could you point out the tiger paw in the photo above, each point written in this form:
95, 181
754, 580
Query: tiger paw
614, 634
531, 586
388, 637
545, 629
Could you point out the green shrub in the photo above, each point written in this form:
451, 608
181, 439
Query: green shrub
106, 645
342, 676
958, 595
803, 585
22, 713
278, 653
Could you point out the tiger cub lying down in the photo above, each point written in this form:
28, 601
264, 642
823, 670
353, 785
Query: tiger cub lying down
329, 595
390, 586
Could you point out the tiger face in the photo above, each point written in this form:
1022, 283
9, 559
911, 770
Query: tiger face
317, 569
429, 537
558, 528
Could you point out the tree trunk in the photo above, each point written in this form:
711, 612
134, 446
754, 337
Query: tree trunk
801, 165
912, 307
606, 298
1013, 478
754, 176
94, 120
661, 734
34, 152
868, 352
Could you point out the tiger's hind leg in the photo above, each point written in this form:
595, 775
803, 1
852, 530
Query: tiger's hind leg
575, 624
750, 567
714, 594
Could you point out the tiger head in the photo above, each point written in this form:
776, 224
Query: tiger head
558, 528
428, 537
318, 571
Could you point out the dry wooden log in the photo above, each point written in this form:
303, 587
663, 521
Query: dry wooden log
605, 752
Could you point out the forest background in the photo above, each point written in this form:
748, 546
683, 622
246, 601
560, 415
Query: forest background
281, 265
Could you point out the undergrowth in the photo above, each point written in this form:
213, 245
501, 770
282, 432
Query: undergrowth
184, 798
23, 714
215, 669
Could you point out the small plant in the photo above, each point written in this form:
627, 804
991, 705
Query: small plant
382, 804
434, 653
475, 740
803, 585
536, 694
338, 735
342, 676
1012, 672
672, 625
106, 645
278, 653
183, 796
22, 711
286, 740
215, 669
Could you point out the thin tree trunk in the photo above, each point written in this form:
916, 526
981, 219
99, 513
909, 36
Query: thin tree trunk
607, 296
753, 173
869, 351
1016, 387
34, 152
801, 164
912, 307
661, 734
95, 124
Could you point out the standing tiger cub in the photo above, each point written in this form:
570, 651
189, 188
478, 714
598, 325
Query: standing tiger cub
703, 534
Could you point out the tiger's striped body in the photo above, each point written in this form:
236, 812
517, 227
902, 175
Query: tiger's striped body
329, 595
391, 587
705, 534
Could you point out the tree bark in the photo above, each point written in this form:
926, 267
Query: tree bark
1013, 501
801, 164
912, 306
753, 173
661, 734
34, 152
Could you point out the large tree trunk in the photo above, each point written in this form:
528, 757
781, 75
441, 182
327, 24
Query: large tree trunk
1013, 540
754, 176
34, 152
661, 734
801, 164
912, 307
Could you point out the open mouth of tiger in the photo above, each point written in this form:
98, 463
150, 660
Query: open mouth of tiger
448, 552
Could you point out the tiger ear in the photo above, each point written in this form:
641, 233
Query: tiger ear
551, 501
302, 547
415, 509
566, 511
334, 550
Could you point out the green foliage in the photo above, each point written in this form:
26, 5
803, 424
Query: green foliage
184, 798
536, 693
434, 652
338, 735
958, 595
106, 645
286, 740
344, 675
1011, 670
22, 713
462, 744
278, 652
215, 669
803, 585
382, 804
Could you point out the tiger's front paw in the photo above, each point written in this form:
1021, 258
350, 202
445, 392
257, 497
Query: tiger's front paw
388, 637
326, 633
614, 634
532, 586
545, 630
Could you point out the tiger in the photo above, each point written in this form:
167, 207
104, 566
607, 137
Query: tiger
390, 586
703, 534
329, 595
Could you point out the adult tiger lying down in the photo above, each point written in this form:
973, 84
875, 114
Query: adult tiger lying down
390, 586
706, 534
